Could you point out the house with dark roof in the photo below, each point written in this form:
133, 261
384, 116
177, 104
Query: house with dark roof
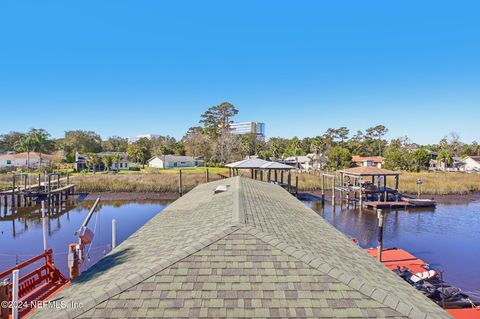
249, 251
82, 162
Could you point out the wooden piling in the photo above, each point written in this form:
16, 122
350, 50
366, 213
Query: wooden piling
4, 311
381, 217
333, 191
296, 185
206, 176
180, 182
289, 179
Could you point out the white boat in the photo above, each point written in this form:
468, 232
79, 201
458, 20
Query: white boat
420, 202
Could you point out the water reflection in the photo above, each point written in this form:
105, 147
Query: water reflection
447, 237
21, 229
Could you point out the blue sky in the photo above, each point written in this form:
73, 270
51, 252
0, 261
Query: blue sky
130, 67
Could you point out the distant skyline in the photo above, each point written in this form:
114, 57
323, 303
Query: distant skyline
128, 68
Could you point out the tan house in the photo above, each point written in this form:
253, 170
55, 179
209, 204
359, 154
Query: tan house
368, 160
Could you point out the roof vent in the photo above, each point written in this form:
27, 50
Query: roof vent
220, 189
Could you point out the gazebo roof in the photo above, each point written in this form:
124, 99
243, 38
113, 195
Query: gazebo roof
258, 164
368, 171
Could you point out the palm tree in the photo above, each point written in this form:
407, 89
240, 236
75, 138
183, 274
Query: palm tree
93, 160
26, 143
116, 159
40, 138
107, 161
445, 157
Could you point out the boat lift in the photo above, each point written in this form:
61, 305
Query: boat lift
76, 251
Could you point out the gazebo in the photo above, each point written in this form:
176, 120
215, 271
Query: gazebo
256, 165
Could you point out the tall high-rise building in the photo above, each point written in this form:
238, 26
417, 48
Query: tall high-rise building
241, 128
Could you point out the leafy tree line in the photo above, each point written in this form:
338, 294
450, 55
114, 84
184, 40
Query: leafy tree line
212, 141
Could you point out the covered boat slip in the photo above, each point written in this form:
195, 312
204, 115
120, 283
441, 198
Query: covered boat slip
368, 184
272, 172
250, 251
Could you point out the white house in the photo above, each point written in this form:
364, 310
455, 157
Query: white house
174, 161
21, 159
472, 163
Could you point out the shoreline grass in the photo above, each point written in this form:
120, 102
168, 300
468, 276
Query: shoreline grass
434, 183
166, 181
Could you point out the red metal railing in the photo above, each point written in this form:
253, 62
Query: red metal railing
45, 274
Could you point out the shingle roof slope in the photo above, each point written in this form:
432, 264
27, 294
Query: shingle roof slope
252, 251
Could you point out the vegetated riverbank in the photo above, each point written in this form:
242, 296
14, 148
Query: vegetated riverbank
434, 183
167, 182
162, 181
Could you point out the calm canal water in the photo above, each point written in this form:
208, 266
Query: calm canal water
21, 236
447, 237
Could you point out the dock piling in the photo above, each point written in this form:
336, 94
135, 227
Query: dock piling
381, 217
180, 182
4, 313
296, 186
114, 233
15, 279
44, 227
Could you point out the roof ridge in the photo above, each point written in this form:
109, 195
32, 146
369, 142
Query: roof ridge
383, 297
143, 274
238, 212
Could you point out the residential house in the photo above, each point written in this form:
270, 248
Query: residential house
303, 162
82, 163
368, 160
22, 159
472, 163
311, 161
174, 161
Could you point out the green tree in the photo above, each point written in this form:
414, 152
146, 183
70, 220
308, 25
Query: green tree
377, 132
342, 133
217, 119
140, 151
339, 158
115, 144
197, 144
10, 141
248, 144
293, 148
82, 142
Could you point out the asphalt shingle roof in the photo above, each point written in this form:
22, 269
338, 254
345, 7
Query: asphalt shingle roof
252, 251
